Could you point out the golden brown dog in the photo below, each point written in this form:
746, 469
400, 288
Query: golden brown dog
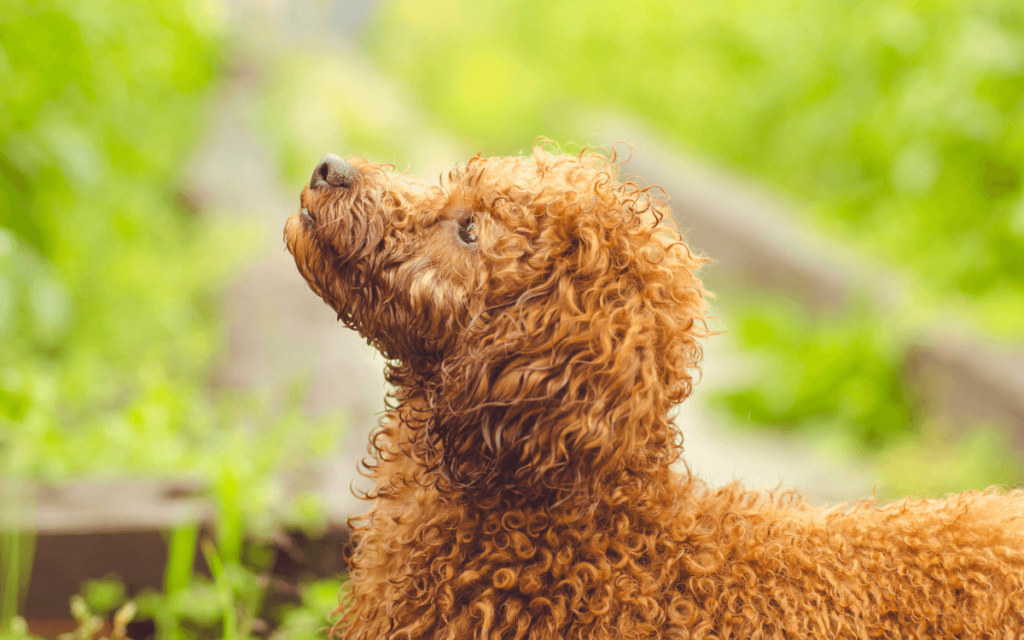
540, 318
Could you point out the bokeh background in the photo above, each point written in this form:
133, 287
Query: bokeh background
853, 169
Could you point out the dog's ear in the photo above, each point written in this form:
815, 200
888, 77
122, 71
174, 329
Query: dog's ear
573, 377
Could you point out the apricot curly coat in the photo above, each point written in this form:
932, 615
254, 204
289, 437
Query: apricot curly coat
540, 319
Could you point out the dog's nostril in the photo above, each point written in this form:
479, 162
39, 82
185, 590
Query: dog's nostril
332, 171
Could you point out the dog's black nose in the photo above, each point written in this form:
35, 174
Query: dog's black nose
333, 171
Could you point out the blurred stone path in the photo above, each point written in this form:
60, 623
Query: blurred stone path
279, 332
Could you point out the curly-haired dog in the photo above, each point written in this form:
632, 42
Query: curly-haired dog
540, 319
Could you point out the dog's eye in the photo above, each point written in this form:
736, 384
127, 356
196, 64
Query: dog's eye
467, 231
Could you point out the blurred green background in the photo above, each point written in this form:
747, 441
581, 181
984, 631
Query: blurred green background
896, 127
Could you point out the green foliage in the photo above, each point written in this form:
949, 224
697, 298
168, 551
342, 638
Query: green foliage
307, 621
841, 375
107, 323
901, 121
103, 596
230, 606
17, 549
105, 329
937, 462
16, 629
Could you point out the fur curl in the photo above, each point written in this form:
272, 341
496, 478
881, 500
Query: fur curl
523, 480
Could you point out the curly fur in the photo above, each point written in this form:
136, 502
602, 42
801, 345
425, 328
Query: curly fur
523, 481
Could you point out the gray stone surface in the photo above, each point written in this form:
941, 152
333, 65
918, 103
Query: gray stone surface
104, 505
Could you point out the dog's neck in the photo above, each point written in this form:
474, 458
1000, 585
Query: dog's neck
645, 470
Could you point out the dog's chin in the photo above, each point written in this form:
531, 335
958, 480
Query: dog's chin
299, 243
294, 228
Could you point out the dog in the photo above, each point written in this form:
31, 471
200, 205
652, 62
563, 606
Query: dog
540, 317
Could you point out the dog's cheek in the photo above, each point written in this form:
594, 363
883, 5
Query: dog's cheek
432, 295
422, 291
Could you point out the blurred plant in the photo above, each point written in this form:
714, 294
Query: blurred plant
230, 605
842, 375
17, 548
839, 384
106, 329
231, 601
902, 122
90, 624
88, 612
938, 461
107, 280
307, 621
16, 553
16, 629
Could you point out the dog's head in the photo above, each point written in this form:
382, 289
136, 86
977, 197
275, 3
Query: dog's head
550, 313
